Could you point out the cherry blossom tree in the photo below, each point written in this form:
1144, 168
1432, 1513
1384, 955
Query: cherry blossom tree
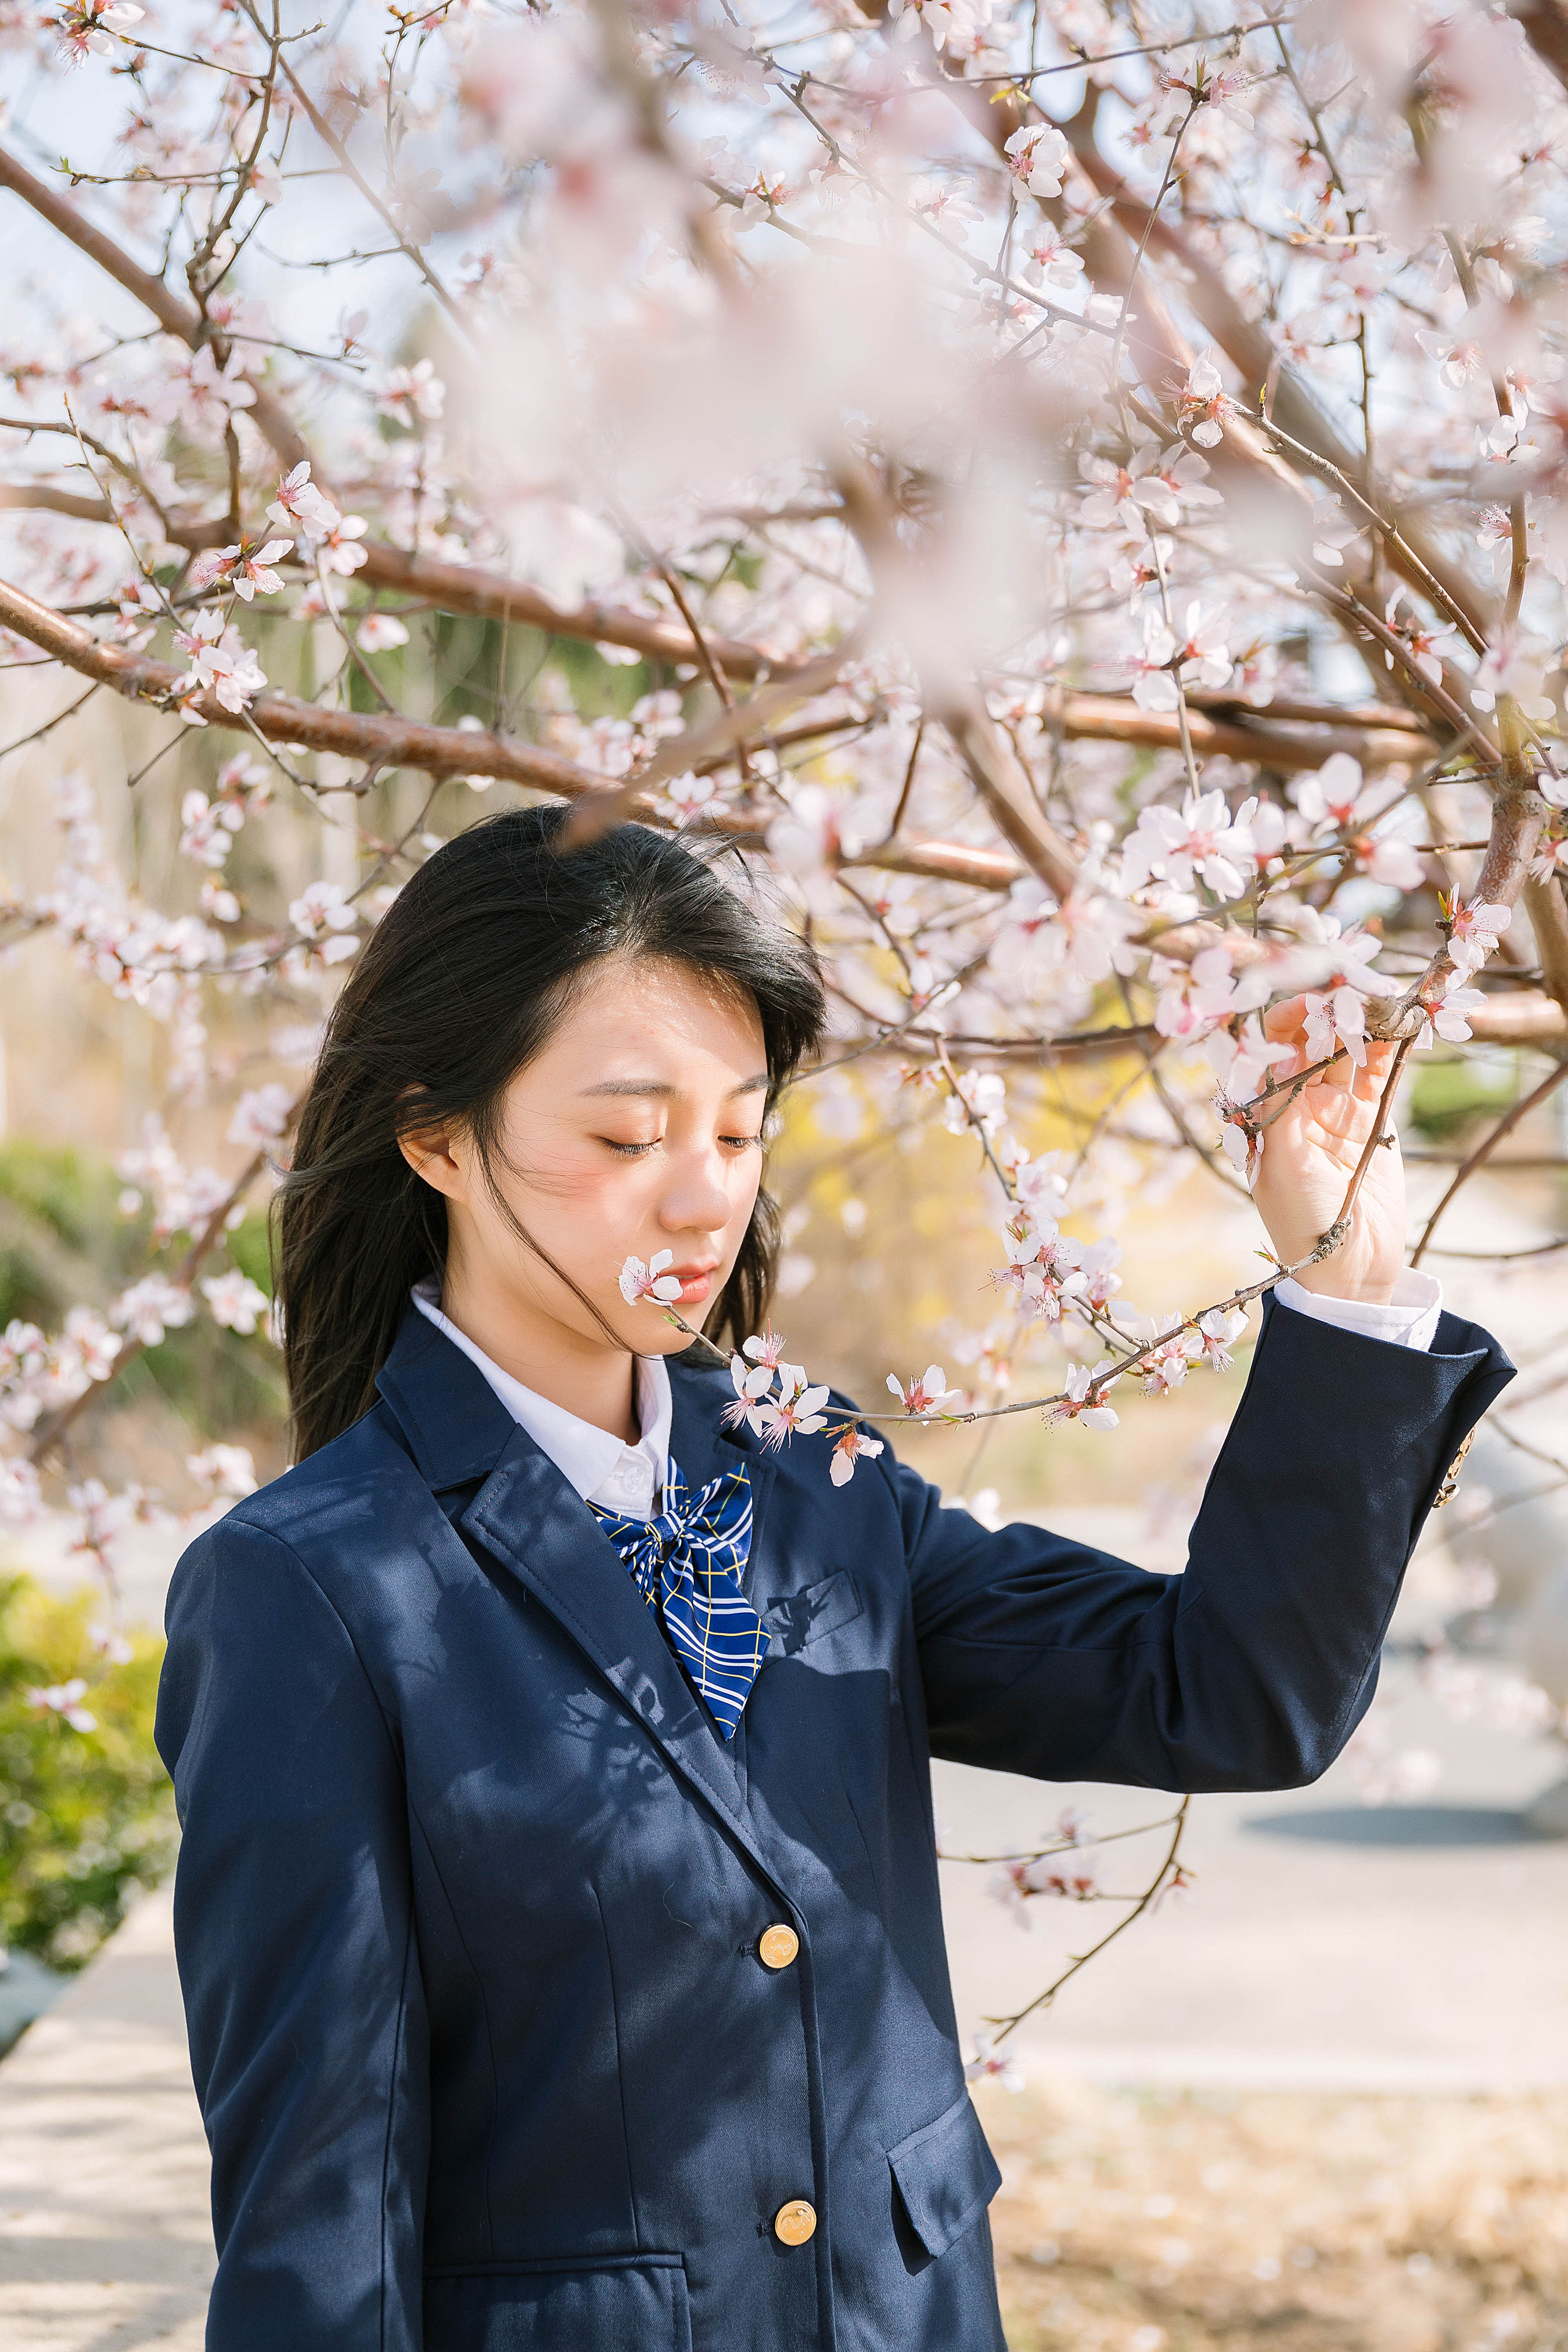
1066, 503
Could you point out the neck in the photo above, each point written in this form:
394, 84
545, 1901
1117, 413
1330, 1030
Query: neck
585, 1377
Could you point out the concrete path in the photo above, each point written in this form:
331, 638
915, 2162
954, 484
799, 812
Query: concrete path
104, 2239
1328, 1944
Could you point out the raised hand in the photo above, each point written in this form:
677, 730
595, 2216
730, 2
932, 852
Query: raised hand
1311, 1154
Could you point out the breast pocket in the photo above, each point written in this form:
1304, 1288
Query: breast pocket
630, 2303
798, 1619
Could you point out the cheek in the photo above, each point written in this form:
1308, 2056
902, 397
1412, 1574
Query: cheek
744, 1182
570, 1188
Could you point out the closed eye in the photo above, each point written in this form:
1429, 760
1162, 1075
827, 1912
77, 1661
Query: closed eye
636, 1150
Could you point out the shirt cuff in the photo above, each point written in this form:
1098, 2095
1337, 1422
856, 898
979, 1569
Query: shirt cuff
1409, 1320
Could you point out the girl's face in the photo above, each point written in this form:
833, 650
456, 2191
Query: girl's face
637, 1128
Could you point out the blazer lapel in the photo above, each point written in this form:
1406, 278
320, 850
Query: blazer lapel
537, 1527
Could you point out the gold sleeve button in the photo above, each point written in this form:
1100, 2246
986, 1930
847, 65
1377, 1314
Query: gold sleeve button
795, 2222
777, 1947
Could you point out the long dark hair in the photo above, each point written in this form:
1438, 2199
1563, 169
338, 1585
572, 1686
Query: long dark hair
458, 986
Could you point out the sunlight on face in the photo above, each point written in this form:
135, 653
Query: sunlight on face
637, 1128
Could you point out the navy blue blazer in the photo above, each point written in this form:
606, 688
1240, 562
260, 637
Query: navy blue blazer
471, 1893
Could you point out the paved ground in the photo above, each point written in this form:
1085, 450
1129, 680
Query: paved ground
1328, 1944
104, 2239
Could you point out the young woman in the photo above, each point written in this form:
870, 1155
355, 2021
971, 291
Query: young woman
557, 1908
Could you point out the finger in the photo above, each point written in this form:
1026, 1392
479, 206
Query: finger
1372, 1077
1285, 1023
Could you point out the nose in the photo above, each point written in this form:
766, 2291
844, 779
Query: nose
696, 1200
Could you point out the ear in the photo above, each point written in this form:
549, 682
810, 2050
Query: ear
433, 1155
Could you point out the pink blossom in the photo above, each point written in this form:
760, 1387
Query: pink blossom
794, 1412
1335, 1019
1330, 795
650, 1281
1081, 1399
220, 666
322, 915
850, 1446
207, 830
246, 567
339, 551
64, 1699
1166, 1369
1193, 996
1042, 1269
1203, 404
87, 27
1460, 362
928, 1394
300, 502
1446, 1012
261, 1115
1474, 931
749, 1381
1037, 155
1430, 643
979, 1098
85, 1353
1495, 537
1242, 1059
989, 2064
224, 1470
1155, 683
152, 1307
205, 397
1515, 666
1039, 1183
413, 394
1051, 261
1176, 844
379, 631
1218, 1328
235, 1301
1100, 1280
21, 1497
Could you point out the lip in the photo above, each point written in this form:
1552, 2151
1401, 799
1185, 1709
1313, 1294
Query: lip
694, 1280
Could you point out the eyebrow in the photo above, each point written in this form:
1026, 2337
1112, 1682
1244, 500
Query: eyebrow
658, 1087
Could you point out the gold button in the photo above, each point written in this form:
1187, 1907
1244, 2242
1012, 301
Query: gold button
794, 2223
777, 1947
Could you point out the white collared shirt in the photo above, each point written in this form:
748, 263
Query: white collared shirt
601, 1466
1409, 1320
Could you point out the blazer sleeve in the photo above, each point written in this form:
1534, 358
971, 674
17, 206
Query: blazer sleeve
1047, 1657
294, 1924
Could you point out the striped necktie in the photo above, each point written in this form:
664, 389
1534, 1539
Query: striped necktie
686, 1564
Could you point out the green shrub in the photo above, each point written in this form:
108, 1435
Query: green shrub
64, 1240
1445, 1096
86, 1816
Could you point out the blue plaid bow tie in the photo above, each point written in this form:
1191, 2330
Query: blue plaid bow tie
687, 1565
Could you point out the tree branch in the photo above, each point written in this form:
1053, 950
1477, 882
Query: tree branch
175, 317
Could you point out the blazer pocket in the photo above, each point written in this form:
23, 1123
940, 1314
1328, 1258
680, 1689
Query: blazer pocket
626, 2303
799, 1618
946, 2175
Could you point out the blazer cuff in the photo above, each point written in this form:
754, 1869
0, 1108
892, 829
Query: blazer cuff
1409, 1320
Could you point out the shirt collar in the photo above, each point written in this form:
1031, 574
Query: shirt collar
597, 1464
